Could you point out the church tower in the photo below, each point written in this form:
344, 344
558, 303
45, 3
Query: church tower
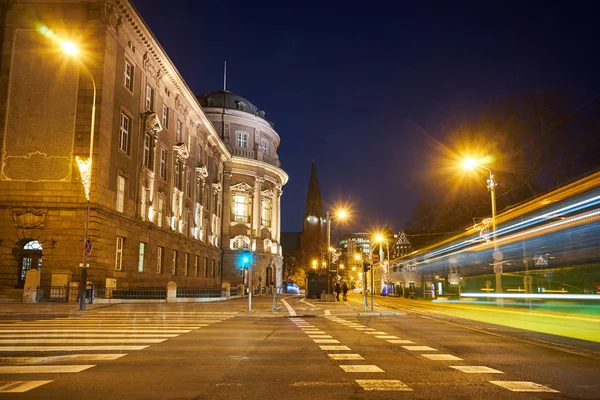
312, 240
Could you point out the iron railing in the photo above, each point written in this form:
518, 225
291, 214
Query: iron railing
197, 293
133, 293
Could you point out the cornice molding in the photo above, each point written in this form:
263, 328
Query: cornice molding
271, 169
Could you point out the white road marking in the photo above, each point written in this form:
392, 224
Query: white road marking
361, 368
327, 312
339, 357
97, 325
88, 335
319, 384
309, 328
70, 348
387, 337
84, 330
376, 333
441, 357
400, 341
316, 332
326, 341
20, 386
383, 385
523, 386
335, 348
419, 348
289, 308
52, 359
364, 329
320, 336
43, 369
232, 313
472, 369
79, 341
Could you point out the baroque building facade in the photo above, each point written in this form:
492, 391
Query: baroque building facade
160, 202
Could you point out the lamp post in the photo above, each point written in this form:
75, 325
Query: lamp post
491, 186
85, 169
342, 214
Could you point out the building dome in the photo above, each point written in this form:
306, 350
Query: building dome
226, 99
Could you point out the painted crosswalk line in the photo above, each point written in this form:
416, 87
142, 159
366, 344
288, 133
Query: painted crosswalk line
79, 341
54, 359
400, 341
364, 329
419, 348
43, 369
344, 357
376, 333
320, 336
441, 357
361, 368
14, 349
382, 385
99, 325
523, 386
326, 340
20, 386
335, 348
386, 337
475, 369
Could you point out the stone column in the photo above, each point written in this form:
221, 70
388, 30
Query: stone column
274, 215
256, 209
226, 209
278, 201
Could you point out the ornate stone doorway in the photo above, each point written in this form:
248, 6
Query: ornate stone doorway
30, 256
269, 273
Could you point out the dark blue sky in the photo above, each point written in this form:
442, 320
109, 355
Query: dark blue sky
359, 86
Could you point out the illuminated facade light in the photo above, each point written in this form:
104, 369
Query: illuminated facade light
85, 169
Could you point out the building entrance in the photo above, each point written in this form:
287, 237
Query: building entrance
30, 256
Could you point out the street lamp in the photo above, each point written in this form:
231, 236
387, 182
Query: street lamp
85, 169
470, 164
340, 214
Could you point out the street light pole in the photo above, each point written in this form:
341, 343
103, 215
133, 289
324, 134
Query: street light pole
328, 252
497, 260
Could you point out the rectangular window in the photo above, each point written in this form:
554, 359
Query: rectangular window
163, 163
128, 76
188, 183
141, 259
149, 98
159, 260
160, 216
174, 263
144, 202
189, 144
124, 130
264, 145
197, 266
241, 139
186, 264
213, 268
205, 267
119, 253
120, 193
241, 208
266, 213
179, 132
147, 151
165, 117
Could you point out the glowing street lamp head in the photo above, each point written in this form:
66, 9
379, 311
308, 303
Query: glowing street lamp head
314, 263
379, 238
341, 266
469, 163
69, 47
342, 214
357, 257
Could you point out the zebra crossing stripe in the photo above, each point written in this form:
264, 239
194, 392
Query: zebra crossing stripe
97, 325
227, 314
70, 357
316, 332
326, 341
442, 357
89, 335
386, 337
399, 341
20, 386
364, 329
361, 368
14, 349
43, 369
472, 369
419, 348
523, 386
344, 357
382, 385
320, 336
79, 341
335, 348
85, 330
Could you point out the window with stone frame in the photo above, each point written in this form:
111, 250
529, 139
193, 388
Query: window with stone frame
124, 133
160, 211
188, 183
213, 269
265, 215
205, 267
159, 259
165, 117
147, 158
142, 257
174, 263
240, 207
120, 205
178, 178
145, 195
197, 265
179, 132
186, 264
264, 145
241, 139
149, 101
119, 253
163, 163
128, 76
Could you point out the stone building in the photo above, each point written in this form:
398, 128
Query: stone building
252, 185
161, 175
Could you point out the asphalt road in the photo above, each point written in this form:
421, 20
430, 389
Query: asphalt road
328, 351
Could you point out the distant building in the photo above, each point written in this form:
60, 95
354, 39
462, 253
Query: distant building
312, 240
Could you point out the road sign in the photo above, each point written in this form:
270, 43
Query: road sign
541, 260
497, 255
498, 268
87, 246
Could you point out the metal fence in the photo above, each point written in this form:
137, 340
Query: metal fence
133, 293
197, 293
55, 294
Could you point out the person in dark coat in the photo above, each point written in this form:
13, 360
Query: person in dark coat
338, 289
345, 290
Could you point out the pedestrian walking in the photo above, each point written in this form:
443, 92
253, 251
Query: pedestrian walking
338, 289
345, 290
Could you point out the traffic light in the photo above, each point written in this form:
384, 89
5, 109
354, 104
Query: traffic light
244, 259
366, 266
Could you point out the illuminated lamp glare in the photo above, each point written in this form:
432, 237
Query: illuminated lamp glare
85, 169
69, 47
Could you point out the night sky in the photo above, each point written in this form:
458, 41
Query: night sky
362, 87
